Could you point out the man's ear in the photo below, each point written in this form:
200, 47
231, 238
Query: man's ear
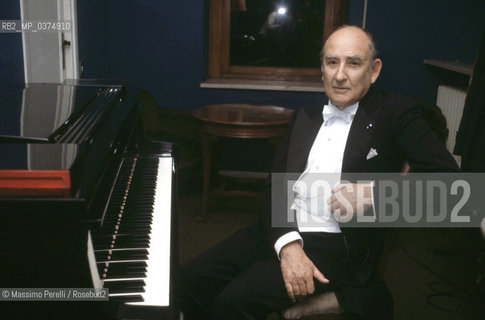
375, 70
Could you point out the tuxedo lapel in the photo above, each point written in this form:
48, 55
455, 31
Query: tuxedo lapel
358, 141
309, 123
360, 134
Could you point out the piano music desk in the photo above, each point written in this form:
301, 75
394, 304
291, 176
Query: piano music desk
240, 121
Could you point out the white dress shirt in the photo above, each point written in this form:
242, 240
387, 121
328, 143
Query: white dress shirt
326, 156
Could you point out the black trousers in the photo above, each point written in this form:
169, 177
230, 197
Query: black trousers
241, 278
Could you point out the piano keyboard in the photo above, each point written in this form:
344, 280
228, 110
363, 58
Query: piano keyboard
132, 248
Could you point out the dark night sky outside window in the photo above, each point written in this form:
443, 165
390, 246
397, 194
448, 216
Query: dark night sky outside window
277, 33
270, 40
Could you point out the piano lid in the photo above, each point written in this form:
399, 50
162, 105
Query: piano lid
78, 128
42, 112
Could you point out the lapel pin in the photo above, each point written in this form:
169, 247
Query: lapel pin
369, 126
372, 153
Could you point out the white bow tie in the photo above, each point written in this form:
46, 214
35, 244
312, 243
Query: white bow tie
330, 112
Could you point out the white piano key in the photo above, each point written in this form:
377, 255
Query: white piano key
157, 279
157, 289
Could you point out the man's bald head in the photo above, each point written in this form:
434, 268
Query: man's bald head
349, 65
370, 39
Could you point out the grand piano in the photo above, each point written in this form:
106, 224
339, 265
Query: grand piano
86, 201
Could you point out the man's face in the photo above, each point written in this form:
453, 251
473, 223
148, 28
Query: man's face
348, 70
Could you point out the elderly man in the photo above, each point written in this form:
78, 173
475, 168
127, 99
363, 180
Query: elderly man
263, 268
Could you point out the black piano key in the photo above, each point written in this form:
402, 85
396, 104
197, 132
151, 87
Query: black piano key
141, 217
140, 205
136, 221
127, 298
103, 240
124, 284
132, 244
140, 231
137, 212
126, 274
147, 217
101, 256
129, 224
135, 245
129, 286
120, 255
103, 237
117, 255
145, 196
129, 209
125, 265
134, 229
131, 232
130, 254
109, 228
106, 232
125, 269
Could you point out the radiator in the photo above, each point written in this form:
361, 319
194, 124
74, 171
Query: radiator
451, 102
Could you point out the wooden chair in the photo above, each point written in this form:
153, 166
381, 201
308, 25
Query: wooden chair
322, 306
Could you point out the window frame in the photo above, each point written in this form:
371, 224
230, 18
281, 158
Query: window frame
219, 47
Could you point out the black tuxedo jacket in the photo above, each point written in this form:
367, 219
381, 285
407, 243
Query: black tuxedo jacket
392, 125
388, 122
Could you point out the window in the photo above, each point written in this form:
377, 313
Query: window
270, 39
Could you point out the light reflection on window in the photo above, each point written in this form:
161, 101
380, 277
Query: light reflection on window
276, 34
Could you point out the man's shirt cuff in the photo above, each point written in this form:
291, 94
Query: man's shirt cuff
285, 239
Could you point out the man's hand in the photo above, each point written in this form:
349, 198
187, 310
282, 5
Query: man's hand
349, 200
298, 271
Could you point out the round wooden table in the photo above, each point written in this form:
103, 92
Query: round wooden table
242, 121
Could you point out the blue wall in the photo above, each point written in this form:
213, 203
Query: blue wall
94, 25
11, 55
407, 32
161, 46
